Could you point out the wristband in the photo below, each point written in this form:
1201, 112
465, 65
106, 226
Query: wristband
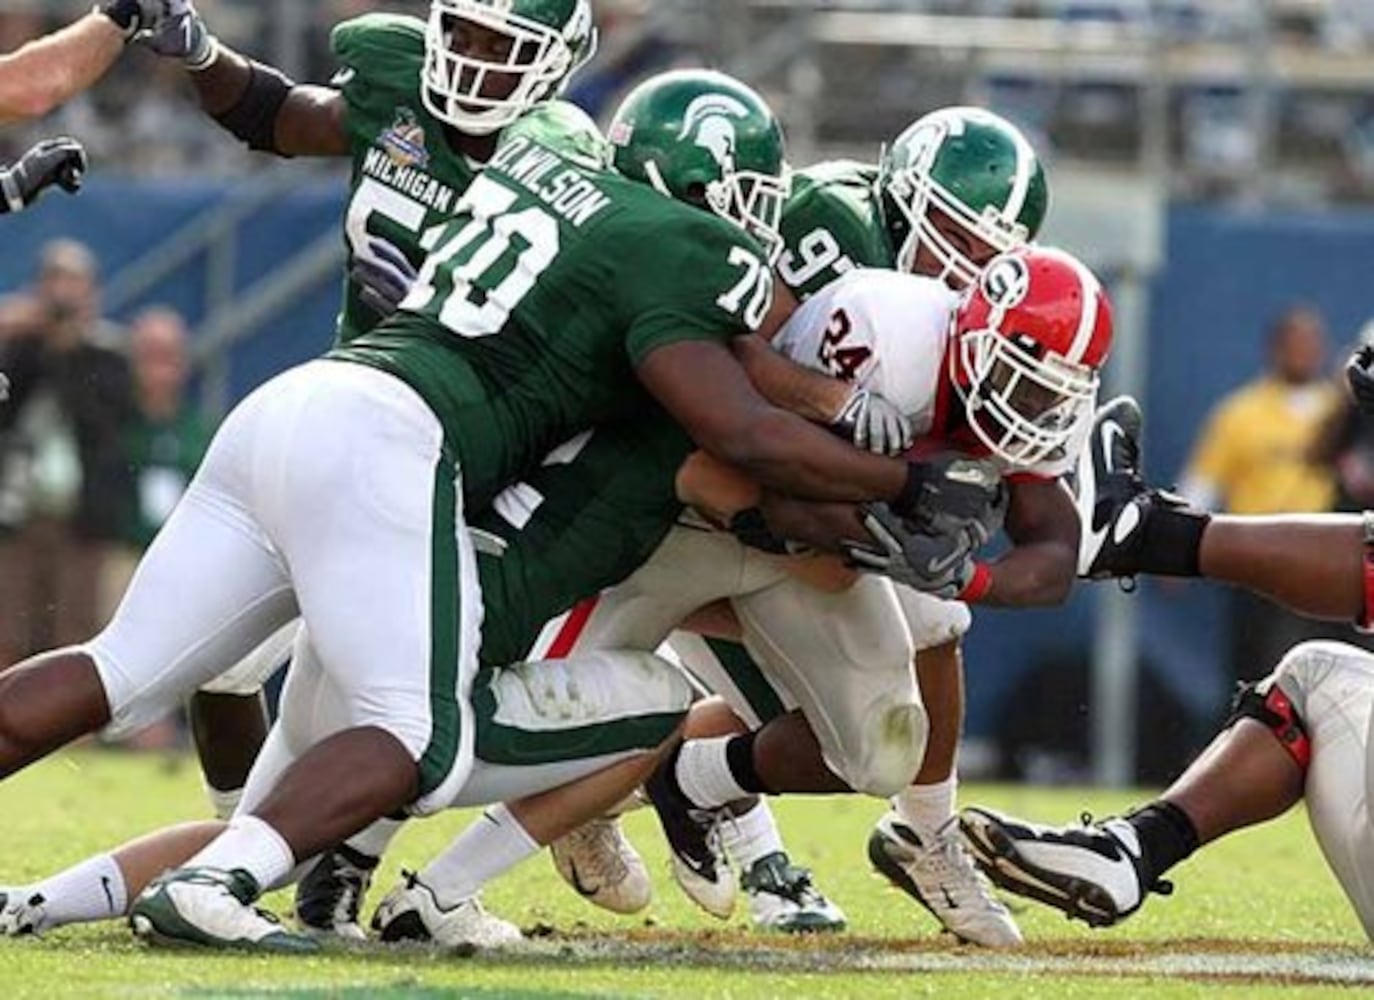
205, 56
978, 585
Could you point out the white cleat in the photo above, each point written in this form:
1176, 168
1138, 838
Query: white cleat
603, 867
704, 873
938, 873
782, 897
22, 912
410, 912
1093, 872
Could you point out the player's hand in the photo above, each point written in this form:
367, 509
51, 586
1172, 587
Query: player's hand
52, 161
940, 564
383, 275
1359, 372
176, 30
946, 491
874, 424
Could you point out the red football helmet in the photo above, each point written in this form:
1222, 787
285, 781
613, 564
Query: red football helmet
1027, 342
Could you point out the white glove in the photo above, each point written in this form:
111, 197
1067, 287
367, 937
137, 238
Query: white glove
874, 424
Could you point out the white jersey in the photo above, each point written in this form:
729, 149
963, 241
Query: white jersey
887, 331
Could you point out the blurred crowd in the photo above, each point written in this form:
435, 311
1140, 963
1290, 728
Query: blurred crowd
98, 441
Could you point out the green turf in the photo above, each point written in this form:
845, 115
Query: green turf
1258, 895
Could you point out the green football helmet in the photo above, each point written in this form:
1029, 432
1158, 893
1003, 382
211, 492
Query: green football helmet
977, 170
706, 138
548, 41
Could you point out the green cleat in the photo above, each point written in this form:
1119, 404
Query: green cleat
210, 908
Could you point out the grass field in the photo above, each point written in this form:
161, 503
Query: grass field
1254, 916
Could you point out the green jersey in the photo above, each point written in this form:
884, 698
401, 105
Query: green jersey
406, 178
552, 283
832, 223
588, 517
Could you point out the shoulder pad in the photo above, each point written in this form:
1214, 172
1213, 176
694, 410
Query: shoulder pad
379, 35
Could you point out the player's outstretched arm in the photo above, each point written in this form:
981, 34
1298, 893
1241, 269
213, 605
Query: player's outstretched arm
1314, 564
258, 104
51, 70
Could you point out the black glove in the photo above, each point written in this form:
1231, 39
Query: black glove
938, 563
947, 491
1359, 372
874, 424
383, 275
52, 161
133, 16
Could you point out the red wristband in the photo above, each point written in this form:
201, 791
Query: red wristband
980, 583
1366, 622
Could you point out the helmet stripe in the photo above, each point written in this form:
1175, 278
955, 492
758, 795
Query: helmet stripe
1020, 188
1087, 319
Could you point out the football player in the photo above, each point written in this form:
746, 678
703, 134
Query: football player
417, 107
338, 488
1302, 733
956, 188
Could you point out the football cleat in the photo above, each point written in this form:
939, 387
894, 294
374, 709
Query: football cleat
783, 898
411, 912
698, 861
1094, 872
21, 912
212, 909
330, 896
938, 873
1111, 497
603, 867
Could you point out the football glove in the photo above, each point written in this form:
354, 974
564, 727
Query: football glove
944, 492
52, 161
1359, 372
874, 424
178, 32
940, 564
383, 276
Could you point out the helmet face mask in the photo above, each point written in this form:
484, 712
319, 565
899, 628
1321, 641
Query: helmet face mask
960, 171
487, 62
1023, 409
707, 139
1028, 341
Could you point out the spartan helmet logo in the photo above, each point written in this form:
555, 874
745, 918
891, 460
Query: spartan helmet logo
709, 118
1006, 283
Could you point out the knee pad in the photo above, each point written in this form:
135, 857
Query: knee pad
932, 621
891, 754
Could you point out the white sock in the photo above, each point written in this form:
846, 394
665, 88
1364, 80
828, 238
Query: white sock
91, 890
374, 841
751, 836
252, 845
489, 847
225, 804
703, 773
927, 807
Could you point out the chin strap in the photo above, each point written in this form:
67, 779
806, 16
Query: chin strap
1365, 623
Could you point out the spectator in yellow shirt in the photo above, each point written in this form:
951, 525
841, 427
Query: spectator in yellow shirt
1258, 455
